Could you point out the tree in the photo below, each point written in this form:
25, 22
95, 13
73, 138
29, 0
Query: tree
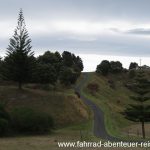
132, 73
67, 59
78, 64
49, 58
45, 74
133, 65
140, 111
52, 66
19, 62
103, 67
68, 76
48, 67
1, 62
116, 66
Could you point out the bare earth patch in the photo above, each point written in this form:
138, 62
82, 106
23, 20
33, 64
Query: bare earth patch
135, 130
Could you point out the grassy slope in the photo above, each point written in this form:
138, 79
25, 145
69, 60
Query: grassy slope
70, 114
111, 101
64, 106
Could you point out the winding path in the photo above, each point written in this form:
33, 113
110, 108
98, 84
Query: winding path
99, 125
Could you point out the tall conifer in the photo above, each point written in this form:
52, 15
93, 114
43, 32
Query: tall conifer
20, 59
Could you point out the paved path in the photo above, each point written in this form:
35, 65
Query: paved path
99, 125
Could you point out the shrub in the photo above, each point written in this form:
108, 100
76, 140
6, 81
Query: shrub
132, 74
103, 67
93, 87
4, 120
25, 120
133, 65
116, 67
112, 84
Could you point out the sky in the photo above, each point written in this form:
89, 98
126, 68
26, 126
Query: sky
93, 29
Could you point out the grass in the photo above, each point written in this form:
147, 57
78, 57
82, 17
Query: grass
73, 119
111, 100
48, 142
65, 107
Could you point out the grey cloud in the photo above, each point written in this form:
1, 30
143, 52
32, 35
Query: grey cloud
85, 9
140, 31
93, 10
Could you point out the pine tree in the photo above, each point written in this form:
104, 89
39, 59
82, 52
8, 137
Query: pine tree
140, 110
20, 59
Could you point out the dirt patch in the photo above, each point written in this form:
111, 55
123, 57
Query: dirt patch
135, 130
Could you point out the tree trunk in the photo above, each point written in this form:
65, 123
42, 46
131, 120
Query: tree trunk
143, 129
20, 85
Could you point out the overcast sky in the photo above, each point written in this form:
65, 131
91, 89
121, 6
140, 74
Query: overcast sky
117, 29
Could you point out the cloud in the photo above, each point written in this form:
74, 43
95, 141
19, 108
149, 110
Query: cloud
112, 27
139, 31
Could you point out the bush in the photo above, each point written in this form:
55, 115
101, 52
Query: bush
4, 126
25, 120
4, 120
103, 67
93, 87
116, 67
68, 76
112, 84
132, 74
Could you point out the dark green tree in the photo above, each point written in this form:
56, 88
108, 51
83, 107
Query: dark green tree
19, 62
1, 62
50, 58
133, 65
103, 67
45, 74
77, 63
48, 67
140, 110
65, 68
116, 66
67, 59
68, 76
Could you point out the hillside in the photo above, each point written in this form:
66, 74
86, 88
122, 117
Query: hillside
112, 96
64, 106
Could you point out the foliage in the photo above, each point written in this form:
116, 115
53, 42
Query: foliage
133, 65
116, 67
20, 59
4, 120
93, 87
132, 74
103, 67
21, 66
25, 120
140, 111
111, 84
45, 74
52, 67
1, 62
68, 76
106, 67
